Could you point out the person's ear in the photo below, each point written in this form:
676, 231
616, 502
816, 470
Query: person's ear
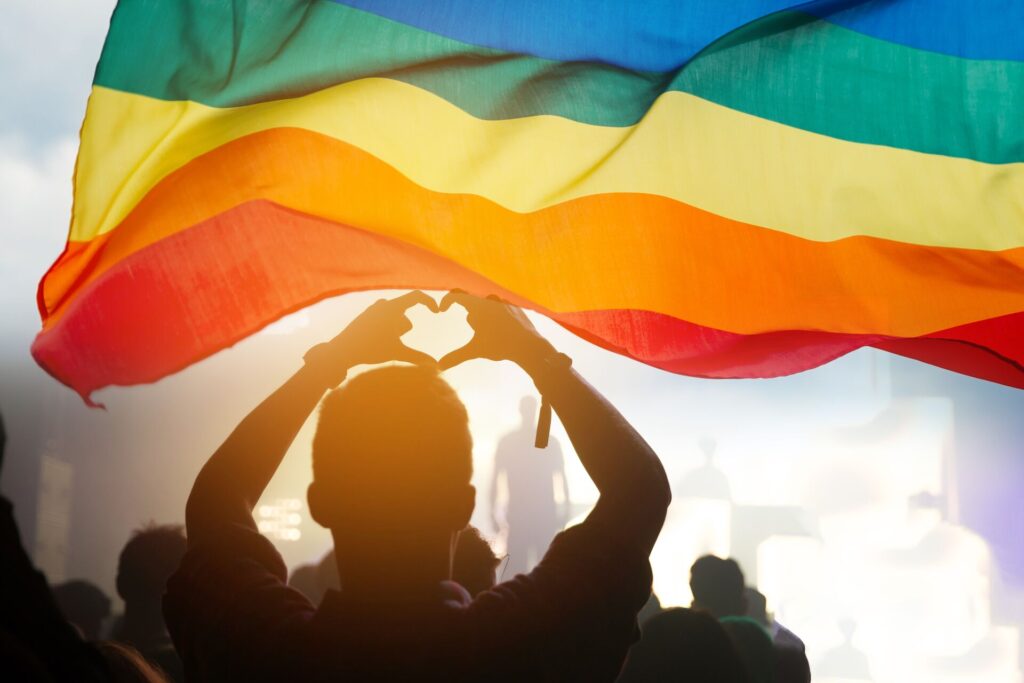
318, 508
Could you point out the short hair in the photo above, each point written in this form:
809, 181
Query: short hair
393, 434
718, 586
150, 557
474, 563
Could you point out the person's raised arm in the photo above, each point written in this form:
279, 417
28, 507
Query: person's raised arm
634, 489
234, 478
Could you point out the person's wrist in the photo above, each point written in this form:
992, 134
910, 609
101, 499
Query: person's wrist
534, 356
328, 364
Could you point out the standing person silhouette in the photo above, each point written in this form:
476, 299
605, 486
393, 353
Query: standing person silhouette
147, 560
392, 461
532, 514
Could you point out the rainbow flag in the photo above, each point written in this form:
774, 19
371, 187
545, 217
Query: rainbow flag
741, 189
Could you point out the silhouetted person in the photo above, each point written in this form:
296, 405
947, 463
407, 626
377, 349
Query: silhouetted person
706, 481
84, 605
149, 558
845, 660
474, 564
754, 646
718, 587
392, 462
684, 646
36, 642
532, 514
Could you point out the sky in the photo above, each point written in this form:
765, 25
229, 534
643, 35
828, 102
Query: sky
135, 460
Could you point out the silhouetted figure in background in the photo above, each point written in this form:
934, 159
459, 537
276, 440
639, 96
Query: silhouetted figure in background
533, 515
392, 463
474, 564
845, 661
149, 558
84, 605
754, 646
706, 481
684, 646
719, 587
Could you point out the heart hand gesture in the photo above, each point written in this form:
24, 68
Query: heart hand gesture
373, 337
501, 331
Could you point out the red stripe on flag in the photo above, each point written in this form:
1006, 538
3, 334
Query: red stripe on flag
203, 289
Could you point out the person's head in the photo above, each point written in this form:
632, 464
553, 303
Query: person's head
680, 644
718, 586
754, 645
475, 565
757, 605
149, 558
528, 410
847, 627
707, 446
392, 460
84, 605
126, 665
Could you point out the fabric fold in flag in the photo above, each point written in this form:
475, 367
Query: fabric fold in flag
748, 191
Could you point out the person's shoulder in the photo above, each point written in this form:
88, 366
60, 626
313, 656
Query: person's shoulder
227, 608
235, 566
235, 545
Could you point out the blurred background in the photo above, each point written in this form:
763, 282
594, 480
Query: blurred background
876, 502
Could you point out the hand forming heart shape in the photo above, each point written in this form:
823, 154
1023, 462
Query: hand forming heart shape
500, 332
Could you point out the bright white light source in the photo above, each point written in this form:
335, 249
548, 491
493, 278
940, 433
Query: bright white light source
280, 520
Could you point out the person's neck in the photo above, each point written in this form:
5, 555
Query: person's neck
394, 571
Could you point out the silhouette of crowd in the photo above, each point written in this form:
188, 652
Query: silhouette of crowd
410, 591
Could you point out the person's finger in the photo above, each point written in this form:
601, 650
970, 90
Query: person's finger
410, 299
459, 356
406, 355
457, 296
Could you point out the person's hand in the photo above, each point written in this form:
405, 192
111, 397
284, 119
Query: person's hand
373, 337
500, 331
